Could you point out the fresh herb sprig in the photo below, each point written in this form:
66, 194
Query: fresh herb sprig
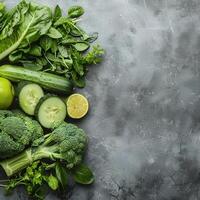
40, 176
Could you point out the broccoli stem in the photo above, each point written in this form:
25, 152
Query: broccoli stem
21, 161
17, 163
45, 152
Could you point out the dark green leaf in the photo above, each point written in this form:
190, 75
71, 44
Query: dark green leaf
51, 56
15, 56
67, 28
40, 192
75, 32
46, 43
53, 182
63, 51
57, 13
85, 36
78, 68
77, 80
81, 46
54, 46
78, 32
61, 21
41, 61
61, 175
83, 175
92, 37
31, 65
35, 50
54, 33
75, 11
69, 40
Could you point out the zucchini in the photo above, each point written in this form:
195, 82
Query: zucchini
29, 96
50, 111
51, 82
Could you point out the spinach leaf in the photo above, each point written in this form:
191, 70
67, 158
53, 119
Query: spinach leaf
83, 175
63, 51
31, 65
92, 37
61, 175
35, 50
61, 21
54, 33
41, 61
81, 46
75, 11
54, 46
78, 80
46, 43
57, 13
69, 40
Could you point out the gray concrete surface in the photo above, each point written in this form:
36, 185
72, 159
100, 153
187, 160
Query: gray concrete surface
144, 122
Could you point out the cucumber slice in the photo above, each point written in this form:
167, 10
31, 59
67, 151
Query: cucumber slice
50, 111
29, 96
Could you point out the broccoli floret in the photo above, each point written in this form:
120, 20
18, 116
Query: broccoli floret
9, 146
33, 126
16, 132
4, 114
66, 143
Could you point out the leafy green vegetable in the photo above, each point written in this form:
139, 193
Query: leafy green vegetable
57, 13
16, 55
83, 175
35, 50
40, 40
46, 43
63, 51
81, 46
94, 56
32, 35
36, 66
53, 182
54, 33
34, 179
75, 11
61, 175
24, 25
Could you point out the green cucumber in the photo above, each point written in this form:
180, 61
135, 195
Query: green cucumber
29, 96
51, 82
50, 111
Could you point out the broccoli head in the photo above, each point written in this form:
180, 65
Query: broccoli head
16, 133
66, 143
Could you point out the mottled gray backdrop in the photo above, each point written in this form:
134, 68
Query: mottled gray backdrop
144, 122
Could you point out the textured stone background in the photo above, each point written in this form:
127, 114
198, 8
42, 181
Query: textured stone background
144, 122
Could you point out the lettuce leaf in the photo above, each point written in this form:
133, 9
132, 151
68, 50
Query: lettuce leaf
26, 23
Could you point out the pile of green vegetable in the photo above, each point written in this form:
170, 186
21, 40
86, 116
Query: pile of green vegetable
37, 38
44, 56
